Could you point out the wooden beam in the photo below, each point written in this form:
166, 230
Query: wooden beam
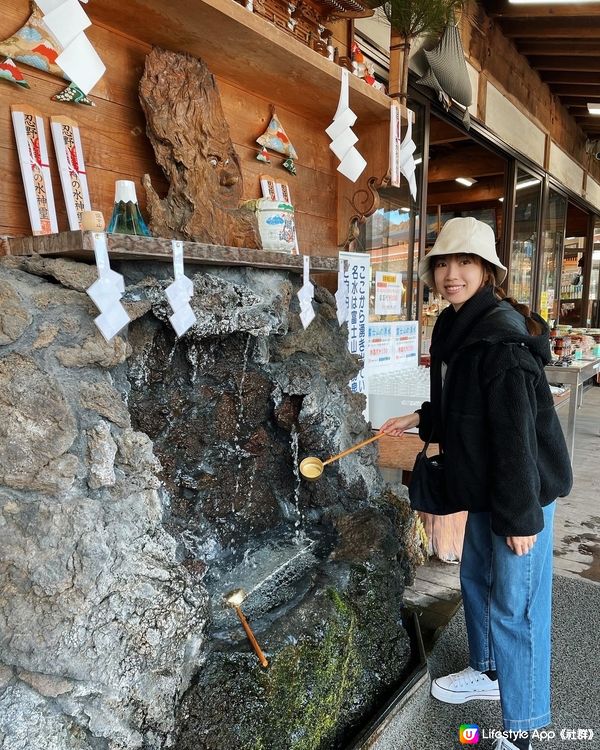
587, 121
450, 193
472, 161
548, 62
559, 47
548, 28
503, 9
443, 132
581, 110
575, 105
576, 91
482, 96
569, 76
590, 131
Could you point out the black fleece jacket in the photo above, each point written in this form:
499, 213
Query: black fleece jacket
505, 452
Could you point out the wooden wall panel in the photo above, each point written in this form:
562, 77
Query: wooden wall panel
116, 147
113, 132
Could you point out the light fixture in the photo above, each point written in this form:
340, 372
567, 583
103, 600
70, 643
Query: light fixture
501, 199
405, 210
594, 108
466, 181
418, 160
527, 183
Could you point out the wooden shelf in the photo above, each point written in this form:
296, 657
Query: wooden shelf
79, 246
246, 50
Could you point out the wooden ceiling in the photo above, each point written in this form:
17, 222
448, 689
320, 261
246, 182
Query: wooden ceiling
562, 43
452, 154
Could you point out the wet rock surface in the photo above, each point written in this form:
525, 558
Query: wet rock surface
150, 477
101, 624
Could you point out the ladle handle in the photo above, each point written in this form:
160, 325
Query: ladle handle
354, 448
257, 649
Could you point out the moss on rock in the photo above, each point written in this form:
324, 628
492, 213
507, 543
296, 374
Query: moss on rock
308, 684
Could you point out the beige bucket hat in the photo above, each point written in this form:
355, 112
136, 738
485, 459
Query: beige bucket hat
463, 234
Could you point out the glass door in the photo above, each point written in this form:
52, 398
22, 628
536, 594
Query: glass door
553, 236
528, 194
573, 271
593, 318
391, 236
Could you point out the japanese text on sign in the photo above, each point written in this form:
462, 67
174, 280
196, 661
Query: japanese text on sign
392, 346
355, 276
388, 293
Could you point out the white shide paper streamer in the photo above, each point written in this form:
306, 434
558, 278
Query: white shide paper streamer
306, 295
352, 164
106, 292
407, 162
67, 21
179, 293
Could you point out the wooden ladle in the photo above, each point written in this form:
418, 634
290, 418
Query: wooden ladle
312, 467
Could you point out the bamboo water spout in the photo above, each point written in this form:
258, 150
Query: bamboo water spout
234, 600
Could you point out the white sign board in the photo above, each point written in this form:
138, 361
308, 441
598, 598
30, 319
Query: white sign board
388, 293
392, 346
354, 277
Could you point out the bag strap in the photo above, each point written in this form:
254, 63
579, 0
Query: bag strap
423, 451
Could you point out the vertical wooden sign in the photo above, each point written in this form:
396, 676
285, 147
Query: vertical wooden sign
35, 169
69, 154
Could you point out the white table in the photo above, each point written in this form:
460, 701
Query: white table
575, 376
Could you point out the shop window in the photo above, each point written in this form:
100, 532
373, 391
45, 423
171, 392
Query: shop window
553, 234
594, 296
391, 236
525, 236
571, 282
573, 271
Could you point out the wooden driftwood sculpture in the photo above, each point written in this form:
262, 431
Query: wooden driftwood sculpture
191, 141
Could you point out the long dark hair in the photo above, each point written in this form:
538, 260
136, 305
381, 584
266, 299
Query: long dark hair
533, 326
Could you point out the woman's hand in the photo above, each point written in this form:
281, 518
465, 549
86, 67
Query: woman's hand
396, 426
521, 545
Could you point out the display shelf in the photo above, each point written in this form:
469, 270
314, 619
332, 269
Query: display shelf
79, 246
246, 50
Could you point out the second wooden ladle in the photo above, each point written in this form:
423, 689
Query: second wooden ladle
312, 467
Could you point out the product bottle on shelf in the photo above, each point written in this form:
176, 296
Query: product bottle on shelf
127, 217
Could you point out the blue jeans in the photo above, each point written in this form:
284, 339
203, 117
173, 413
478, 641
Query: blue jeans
508, 603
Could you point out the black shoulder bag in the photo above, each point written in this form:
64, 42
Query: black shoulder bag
427, 489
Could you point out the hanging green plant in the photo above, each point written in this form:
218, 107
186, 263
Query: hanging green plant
411, 18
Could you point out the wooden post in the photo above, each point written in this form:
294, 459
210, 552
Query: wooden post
399, 54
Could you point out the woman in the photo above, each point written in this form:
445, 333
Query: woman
506, 462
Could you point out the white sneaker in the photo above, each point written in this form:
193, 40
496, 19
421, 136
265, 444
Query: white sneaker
466, 685
501, 743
